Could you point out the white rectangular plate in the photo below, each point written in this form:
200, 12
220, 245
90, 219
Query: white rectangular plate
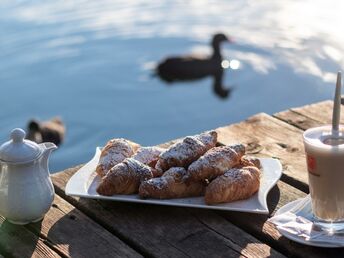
84, 183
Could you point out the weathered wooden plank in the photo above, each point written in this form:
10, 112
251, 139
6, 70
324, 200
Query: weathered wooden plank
167, 231
17, 241
321, 111
142, 218
267, 232
73, 234
267, 136
300, 121
309, 116
264, 135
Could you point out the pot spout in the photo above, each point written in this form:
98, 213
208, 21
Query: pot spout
48, 147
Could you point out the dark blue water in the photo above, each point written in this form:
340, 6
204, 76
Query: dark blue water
91, 63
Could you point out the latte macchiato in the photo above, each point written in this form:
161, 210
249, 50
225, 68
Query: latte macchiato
325, 163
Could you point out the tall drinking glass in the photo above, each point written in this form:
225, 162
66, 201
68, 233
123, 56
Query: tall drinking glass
325, 163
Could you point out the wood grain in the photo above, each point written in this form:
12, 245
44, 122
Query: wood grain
17, 241
309, 116
266, 136
258, 226
172, 227
321, 111
300, 121
75, 235
179, 232
167, 231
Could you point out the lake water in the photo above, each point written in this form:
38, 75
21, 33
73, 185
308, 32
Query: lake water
91, 62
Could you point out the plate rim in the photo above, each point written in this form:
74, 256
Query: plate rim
77, 181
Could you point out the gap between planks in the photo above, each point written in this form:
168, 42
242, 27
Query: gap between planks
182, 231
267, 237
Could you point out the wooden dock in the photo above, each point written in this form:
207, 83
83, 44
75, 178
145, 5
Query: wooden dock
78, 227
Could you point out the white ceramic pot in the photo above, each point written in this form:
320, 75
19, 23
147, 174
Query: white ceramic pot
26, 190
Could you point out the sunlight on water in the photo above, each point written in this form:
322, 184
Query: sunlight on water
225, 64
308, 28
92, 62
234, 64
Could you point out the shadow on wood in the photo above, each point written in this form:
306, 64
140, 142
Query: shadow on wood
78, 236
18, 241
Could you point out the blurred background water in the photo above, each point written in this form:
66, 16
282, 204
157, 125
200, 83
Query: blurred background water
91, 63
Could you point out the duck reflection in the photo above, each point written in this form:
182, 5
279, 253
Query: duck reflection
185, 68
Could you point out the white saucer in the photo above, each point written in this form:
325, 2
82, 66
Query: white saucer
306, 212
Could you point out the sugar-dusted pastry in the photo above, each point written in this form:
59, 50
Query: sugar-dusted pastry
170, 185
215, 162
248, 161
235, 184
148, 155
114, 152
183, 153
124, 178
158, 170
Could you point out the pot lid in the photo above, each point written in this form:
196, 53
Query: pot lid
18, 149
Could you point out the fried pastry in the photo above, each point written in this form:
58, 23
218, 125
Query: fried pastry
183, 153
215, 162
235, 184
114, 152
170, 185
124, 178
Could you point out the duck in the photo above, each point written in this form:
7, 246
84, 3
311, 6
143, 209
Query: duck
52, 130
185, 68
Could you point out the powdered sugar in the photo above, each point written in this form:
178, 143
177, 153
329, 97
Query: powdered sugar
216, 161
114, 152
208, 138
148, 155
178, 173
191, 148
240, 174
143, 171
156, 183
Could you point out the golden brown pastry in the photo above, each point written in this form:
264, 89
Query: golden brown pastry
124, 178
158, 170
215, 162
170, 185
114, 152
149, 156
183, 153
248, 161
235, 184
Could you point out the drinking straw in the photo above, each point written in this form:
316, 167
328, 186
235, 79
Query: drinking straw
336, 105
